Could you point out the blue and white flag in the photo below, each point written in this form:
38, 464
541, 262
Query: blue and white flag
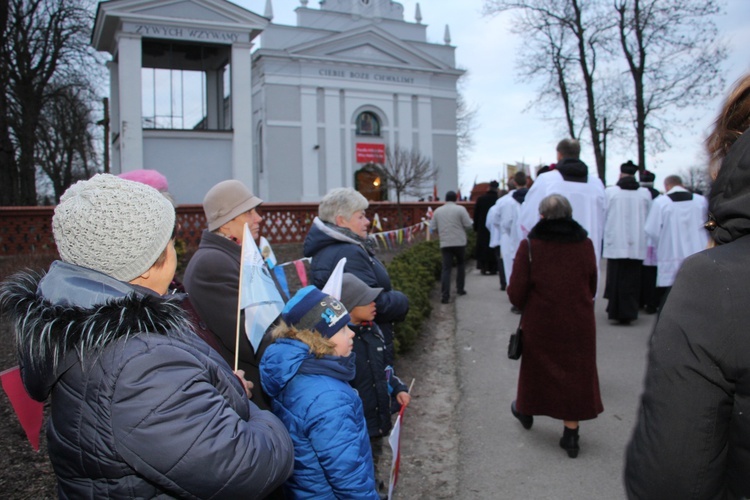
259, 297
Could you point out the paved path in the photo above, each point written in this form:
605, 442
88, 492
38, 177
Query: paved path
499, 459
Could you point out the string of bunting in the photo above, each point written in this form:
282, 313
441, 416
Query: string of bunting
396, 237
388, 239
299, 265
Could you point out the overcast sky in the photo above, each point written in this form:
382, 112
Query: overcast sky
507, 134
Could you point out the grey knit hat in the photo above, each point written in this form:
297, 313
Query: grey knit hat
227, 200
112, 225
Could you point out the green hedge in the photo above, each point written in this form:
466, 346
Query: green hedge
415, 272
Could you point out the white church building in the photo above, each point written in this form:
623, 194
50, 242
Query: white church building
205, 90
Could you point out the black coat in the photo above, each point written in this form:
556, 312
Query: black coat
692, 438
482, 206
370, 380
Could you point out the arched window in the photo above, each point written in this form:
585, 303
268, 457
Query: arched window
368, 124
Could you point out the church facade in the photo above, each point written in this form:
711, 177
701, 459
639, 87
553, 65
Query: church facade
314, 106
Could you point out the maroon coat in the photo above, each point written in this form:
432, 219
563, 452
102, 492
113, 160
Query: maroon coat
558, 368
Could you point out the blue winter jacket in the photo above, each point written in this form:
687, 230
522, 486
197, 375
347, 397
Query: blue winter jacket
324, 416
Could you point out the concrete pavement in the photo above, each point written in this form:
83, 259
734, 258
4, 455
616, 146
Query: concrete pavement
497, 458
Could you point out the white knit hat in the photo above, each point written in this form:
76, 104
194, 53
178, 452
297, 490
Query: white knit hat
112, 225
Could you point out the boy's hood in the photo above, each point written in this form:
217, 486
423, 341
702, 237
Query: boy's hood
285, 358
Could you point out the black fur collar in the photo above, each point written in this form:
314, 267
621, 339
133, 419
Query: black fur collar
46, 333
560, 230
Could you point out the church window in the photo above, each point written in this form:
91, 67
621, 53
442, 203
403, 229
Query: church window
368, 124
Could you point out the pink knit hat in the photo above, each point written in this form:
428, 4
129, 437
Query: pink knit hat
149, 177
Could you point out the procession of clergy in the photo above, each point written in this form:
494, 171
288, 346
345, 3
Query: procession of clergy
643, 234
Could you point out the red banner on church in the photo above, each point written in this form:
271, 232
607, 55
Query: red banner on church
370, 153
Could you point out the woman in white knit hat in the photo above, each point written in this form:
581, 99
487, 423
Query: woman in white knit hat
140, 406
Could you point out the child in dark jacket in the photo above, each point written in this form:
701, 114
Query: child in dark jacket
375, 381
306, 370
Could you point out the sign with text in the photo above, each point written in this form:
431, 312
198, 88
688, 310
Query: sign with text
366, 75
185, 33
370, 153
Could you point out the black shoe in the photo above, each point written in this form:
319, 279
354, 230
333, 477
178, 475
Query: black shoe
569, 442
503, 287
515, 310
526, 420
461, 292
445, 301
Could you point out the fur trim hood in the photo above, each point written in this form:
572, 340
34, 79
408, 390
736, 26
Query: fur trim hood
322, 234
70, 313
287, 357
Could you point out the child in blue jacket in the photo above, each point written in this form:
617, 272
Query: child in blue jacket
306, 370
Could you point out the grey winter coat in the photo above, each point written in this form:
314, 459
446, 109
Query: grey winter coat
140, 406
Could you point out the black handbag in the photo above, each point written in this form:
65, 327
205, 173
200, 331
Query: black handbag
515, 344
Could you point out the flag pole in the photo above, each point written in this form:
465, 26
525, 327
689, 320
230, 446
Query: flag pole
239, 311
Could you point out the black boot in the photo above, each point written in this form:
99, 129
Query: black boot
569, 441
526, 420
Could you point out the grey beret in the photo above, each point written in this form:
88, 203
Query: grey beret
227, 200
111, 225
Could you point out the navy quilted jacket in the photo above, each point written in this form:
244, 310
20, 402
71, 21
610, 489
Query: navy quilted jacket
141, 407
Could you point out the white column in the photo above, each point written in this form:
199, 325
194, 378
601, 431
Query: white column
405, 123
334, 168
424, 136
242, 113
214, 103
424, 110
309, 119
130, 119
114, 117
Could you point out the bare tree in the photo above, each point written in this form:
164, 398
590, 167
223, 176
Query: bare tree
466, 118
65, 140
569, 32
545, 55
696, 179
44, 42
8, 167
408, 173
673, 59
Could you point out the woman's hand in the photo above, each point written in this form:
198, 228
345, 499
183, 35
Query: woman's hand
245, 383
